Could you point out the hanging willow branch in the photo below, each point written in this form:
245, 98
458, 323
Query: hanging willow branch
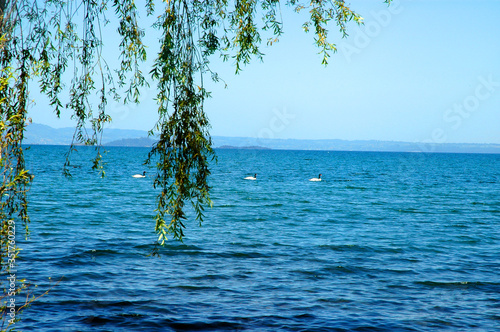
193, 31
16, 66
60, 44
184, 145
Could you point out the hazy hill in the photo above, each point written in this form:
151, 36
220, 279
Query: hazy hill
42, 134
343, 145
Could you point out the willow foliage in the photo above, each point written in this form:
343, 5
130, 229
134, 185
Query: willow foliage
58, 45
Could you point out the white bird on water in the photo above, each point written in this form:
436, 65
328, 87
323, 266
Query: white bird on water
251, 177
316, 179
139, 175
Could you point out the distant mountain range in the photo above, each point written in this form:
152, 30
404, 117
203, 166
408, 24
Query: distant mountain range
37, 134
344, 145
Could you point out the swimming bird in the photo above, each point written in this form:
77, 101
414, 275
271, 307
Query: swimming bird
316, 179
251, 177
139, 175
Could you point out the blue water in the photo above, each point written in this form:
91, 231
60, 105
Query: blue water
387, 242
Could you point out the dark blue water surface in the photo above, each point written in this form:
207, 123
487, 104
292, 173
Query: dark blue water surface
387, 242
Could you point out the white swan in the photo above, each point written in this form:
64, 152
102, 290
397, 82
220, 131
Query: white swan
251, 177
139, 175
316, 179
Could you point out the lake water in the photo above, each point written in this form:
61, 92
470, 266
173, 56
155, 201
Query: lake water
387, 242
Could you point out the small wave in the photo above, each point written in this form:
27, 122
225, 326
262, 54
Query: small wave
308, 274
340, 269
480, 285
389, 250
207, 326
111, 304
412, 211
97, 320
274, 205
210, 277
86, 255
457, 226
346, 247
237, 254
172, 246
194, 288
403, 271
304, 316
335, 300
491, 211
356, 188
250, 245
116, 320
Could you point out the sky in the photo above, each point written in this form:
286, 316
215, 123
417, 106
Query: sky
417, 71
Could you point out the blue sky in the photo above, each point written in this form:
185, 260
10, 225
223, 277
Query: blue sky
417, 71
